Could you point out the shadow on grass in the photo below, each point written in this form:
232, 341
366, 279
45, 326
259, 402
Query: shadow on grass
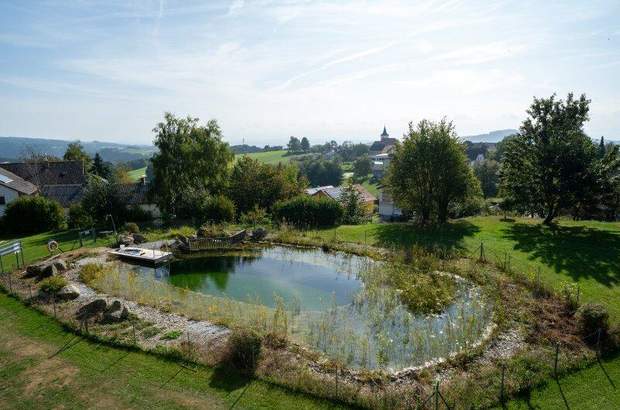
448, 236
229, 379
579, 251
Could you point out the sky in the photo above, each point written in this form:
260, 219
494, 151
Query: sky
266, 70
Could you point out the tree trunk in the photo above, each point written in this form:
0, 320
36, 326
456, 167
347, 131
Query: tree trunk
549, 217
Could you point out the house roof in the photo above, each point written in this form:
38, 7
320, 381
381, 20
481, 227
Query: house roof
312, 191
365, 195
384, 133
48, 172
65, 195
336, 192
16, 183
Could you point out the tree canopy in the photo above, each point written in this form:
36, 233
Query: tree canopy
253, 183
75, 152
429, 171
362, 167
320, 172
547, 167
192, 162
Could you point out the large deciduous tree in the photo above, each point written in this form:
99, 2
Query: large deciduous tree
546, 167
253, 183
429, 171
75, 152
193, 162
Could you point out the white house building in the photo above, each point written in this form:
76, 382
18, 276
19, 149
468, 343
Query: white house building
12, 187
387, 210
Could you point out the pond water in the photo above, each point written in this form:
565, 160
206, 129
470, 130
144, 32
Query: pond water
309, 278
326, 302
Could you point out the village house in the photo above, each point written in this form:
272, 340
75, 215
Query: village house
367, 199
12, 187
61, 181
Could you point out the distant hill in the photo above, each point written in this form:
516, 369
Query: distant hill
14, 148
493, 136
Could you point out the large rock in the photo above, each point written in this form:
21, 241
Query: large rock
126, 240
91, 309
259, 234
49, 270
138, 238
69, 292
35, 270
116, 316
60, 265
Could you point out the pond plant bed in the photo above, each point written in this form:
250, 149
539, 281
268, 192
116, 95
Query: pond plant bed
391, 331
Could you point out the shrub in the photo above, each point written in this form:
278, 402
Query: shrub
243, 349
217, 209
256, 216
79, 217
90, 272
135, 213
172, 335
308, 212
132, 227
53, 284
592, 317
32, 214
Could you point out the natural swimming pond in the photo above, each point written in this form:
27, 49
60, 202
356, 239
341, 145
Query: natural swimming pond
319, 298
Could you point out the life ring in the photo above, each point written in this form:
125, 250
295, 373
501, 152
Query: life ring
52, 246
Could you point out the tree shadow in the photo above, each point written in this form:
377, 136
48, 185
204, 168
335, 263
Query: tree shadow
581, 252
227, 378
448, 236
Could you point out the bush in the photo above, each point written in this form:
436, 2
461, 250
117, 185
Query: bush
79, 218
53, 284
135, 213
132, 227
33, 214
90, 272
592, 317
256, 216
243, 349
217, 209
308, 212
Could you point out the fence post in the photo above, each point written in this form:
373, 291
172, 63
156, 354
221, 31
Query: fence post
482, 251
555, 363
501, 391
436, 396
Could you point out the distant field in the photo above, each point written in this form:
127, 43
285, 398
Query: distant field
137, 173
271, 157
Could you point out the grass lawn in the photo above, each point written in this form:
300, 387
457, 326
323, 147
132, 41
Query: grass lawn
592, 388
583, 252
43, 366
272, 157
135, 174
35, 246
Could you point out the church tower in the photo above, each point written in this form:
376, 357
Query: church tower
384, 134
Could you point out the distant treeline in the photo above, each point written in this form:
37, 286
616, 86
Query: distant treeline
249, 149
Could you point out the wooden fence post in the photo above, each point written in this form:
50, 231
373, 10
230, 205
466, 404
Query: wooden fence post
555, 363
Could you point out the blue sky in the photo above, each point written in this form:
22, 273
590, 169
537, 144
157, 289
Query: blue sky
265, 70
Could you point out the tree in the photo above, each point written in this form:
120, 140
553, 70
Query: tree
601, 148
353, 212
547, 165
305, 144
487, 172
102, 198
294, 145
193, 162
320, 172
33, 214
429, 171
75, 152
256, 184
101, 168
362, 167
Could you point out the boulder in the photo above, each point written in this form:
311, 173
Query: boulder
91, 309
259, 234
49, 270
35, 270
126, 240
69, 292
118, 314
60, 265
138, 238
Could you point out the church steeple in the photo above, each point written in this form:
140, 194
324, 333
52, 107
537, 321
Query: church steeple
384, 134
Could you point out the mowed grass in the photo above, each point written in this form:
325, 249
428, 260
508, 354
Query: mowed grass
136, 174
583, 252
593, 388
43, 366
272, 157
